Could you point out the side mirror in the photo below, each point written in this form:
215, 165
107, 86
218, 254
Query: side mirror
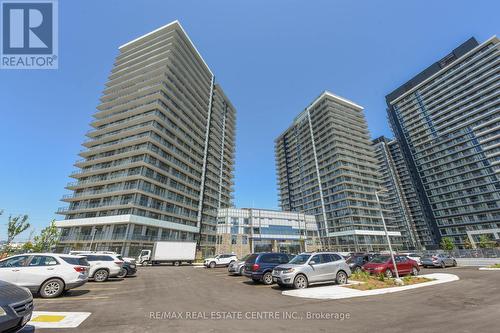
312, 262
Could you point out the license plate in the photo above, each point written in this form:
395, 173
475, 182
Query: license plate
26, 318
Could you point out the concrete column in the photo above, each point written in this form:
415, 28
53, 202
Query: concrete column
125, 249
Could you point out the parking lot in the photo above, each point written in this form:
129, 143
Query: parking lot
189, 299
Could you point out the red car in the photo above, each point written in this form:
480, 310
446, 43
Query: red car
383, 265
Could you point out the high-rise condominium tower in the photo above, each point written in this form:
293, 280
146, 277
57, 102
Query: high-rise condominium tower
326, 167
158, 161
403, 210
447, 121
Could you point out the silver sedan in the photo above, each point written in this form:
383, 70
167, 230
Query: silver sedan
237, 267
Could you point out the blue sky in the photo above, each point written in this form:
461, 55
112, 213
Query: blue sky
271, 57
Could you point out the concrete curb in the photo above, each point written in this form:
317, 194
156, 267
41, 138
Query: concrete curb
340, 292
488, 269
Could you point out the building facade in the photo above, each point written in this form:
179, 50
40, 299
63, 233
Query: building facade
326, 167
403, 210
447, 121
158, 161
248, 230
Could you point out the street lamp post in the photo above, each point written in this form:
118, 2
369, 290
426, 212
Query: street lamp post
398, 280
94, 230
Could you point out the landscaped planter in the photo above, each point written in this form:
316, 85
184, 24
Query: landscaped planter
340, 292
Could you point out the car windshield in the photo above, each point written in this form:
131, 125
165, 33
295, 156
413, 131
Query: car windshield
300, 259
380, 259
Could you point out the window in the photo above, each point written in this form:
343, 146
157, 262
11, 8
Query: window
316, 259
18, 261
43, 261
98, 258
336, 257
271, 258
284, 259
76, 261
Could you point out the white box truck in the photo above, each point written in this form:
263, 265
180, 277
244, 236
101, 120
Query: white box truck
174, 253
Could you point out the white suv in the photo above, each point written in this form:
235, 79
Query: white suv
103, 266
47, 274
220, 260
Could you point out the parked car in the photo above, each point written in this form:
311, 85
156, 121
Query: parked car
220, 260
311, 268
103, 266
439, 260
129, 268
237, 267
16, 307
47, 274
382, 264
357, 260
259, 266
413, 256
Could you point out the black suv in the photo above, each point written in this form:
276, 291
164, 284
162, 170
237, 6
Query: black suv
357, 260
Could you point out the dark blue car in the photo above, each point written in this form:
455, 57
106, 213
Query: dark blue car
259, 266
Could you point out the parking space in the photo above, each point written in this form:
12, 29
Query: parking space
195, 299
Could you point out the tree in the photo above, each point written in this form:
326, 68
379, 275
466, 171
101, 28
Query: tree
447, 244
468, 244
15, 226
47, 240
485, 242
27, 247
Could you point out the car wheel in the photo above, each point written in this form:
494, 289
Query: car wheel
241, 270
388, 274
230, 263
176, 263
267, 278
51, 288
443, 265
454, 263
300, 282
101, 275
414, 271
123, 273
145, 263
212, 264
341, 277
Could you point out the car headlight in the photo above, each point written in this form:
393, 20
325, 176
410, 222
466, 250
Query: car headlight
289, 270
2, 312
